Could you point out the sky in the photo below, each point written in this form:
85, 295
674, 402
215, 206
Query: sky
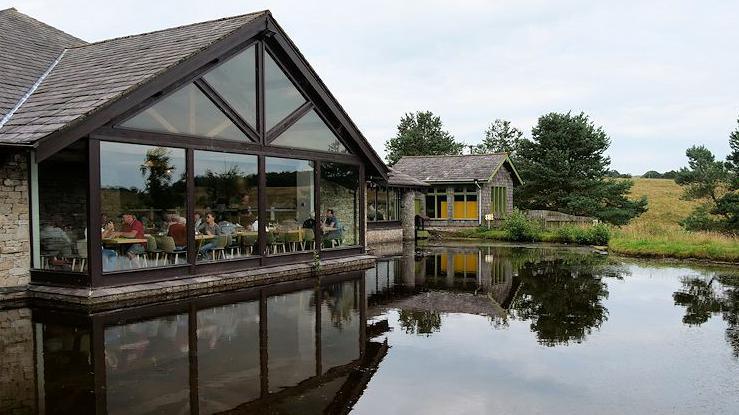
658, 76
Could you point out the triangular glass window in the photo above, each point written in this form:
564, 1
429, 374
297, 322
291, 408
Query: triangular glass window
187, 111
281, 97
236, 81
310, 132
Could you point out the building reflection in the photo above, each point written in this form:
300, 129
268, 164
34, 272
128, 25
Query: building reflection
561, 296
292, 348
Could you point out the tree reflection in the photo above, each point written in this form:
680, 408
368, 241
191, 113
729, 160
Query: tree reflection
420, 322
703, 299
563, 298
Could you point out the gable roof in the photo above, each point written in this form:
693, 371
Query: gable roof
27, 49
89, 76
456, 168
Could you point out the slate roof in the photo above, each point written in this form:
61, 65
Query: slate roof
88, 76
27, 49
400, 179
462, 168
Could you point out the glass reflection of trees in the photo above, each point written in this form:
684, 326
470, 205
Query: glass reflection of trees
703, 299
563, 297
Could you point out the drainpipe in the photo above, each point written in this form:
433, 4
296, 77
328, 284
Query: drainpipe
479, 203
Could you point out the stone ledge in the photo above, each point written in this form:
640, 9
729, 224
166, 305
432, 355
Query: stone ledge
114, 297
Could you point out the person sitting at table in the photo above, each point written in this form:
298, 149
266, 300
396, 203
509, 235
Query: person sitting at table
178, 232
106, 233
209, 228
310, 223
198, 221
132, 229
331, 227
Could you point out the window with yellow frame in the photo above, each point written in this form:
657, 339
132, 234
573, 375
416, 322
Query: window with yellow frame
465, 202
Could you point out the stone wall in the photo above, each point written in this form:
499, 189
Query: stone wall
17, 375
384, 235
345, 203
15, 247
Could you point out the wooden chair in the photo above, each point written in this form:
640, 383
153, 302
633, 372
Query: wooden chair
309, 239
166, 243
221, 242
153, 251
248, 242
234, 245
293, 240
81, 255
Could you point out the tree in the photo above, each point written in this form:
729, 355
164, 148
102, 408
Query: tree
500, 137
158, 174
564, 168
715, 183
421, 134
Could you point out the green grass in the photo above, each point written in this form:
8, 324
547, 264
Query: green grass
658, 234
578, 235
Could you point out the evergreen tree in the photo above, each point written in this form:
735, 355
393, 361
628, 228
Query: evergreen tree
714, 182
500, 137
564, 168
421, 134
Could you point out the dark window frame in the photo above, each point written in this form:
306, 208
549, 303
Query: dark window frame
259, 147
372, 196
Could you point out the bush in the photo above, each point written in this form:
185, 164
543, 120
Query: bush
520, 228
700, 220
592, 235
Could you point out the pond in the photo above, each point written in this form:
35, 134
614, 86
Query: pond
431, 329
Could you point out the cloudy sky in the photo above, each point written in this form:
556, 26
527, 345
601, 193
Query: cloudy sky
659, 76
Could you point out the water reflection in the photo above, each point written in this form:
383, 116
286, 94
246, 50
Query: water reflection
290, 347
704, 297
434, 330
560, 293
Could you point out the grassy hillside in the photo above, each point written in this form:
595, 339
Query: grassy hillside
657, 232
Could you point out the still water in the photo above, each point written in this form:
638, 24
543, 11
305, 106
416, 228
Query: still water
436, 330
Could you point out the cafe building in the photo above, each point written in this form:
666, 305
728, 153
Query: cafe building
197, 150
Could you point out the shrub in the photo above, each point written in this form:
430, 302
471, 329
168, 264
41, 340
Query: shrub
599, 234
520, 228
591, 235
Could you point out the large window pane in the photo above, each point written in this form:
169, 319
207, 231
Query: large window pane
226, 205
186, 111
382, 204
62, 209
289, 195
291, 328
392, 205
312, 133
339, 204
236, 81
281, 96
142, 205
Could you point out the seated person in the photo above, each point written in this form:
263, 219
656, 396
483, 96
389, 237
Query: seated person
55, 243
310, 223
211, 228
108, 254
133, 229
331, 227
178, 232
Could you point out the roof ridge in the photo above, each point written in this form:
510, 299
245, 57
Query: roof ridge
265, 11
9, 9
457, 155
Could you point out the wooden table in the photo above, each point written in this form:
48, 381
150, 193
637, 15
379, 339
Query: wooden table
123, 241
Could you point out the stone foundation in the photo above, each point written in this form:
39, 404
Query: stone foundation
384, 235
156, 292
17, 384
15, 260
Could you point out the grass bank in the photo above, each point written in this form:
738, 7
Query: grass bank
657, 232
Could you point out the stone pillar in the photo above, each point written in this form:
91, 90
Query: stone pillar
17, 377
407, 214
15, 258
449, 203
